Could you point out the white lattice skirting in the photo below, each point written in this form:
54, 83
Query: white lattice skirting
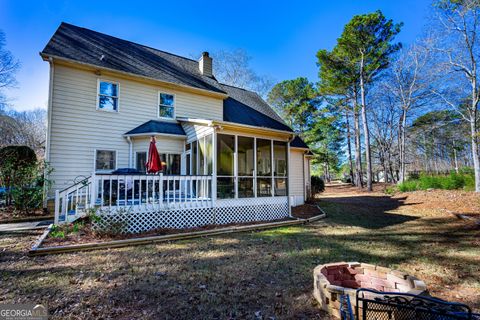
140, 219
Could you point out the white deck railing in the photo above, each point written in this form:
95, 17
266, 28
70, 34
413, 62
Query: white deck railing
107, 191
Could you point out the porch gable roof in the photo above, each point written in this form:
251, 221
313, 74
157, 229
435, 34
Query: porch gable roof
157, 127
297, 142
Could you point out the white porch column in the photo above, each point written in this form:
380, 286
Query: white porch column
288, 180
214, 167
272, 161
235, 166
255, 167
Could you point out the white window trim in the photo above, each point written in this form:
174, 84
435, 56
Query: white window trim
95, 160
174, 105
98, 95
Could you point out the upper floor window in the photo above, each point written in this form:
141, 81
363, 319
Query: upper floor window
166, 108
108, 96
105, 160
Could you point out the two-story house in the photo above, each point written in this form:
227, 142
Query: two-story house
228, 157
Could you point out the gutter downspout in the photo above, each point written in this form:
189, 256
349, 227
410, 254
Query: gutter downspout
48, 131
130, 152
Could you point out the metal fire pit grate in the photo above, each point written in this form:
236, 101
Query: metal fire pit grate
375, 305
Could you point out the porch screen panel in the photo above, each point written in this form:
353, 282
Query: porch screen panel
201, 156
245, 167
194, 157
209, 154
225, 163
264, 168
280, 168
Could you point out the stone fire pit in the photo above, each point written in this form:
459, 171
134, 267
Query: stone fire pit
334, 279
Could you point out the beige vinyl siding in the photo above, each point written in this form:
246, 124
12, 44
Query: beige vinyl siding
78, 128
307, 177
297, 183
195, 131
164, 145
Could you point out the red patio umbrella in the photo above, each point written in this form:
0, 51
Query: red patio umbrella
153, 164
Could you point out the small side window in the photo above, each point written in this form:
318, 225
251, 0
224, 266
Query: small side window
105, 160
108, 96
141, 161
166, 108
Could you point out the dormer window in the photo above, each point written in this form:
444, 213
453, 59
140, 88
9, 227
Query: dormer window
166, 108
107, 96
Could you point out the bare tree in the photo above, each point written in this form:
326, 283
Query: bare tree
233, 68
458, 51
409, 84
384, 119
24, 128
8, 67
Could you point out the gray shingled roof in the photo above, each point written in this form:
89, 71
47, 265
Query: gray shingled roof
247, 107
88, 46
298, 143
154, 126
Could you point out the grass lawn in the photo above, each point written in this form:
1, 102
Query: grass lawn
251, 275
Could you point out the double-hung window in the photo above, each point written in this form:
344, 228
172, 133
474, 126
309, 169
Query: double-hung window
166, 108
107, 96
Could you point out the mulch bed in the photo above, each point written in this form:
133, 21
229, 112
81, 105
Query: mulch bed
88, 235
306, 211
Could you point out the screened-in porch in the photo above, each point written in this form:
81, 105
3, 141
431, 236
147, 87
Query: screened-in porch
218, 178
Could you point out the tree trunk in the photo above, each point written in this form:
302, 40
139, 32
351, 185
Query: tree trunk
455, 158
476, 160
366, 133
349, 145
402, 145
358, 154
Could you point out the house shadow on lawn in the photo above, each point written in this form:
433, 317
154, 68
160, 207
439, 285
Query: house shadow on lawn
370, 212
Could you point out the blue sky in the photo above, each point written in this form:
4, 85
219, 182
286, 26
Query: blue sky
281, 36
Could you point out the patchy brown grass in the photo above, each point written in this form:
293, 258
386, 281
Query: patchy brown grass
248, 275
